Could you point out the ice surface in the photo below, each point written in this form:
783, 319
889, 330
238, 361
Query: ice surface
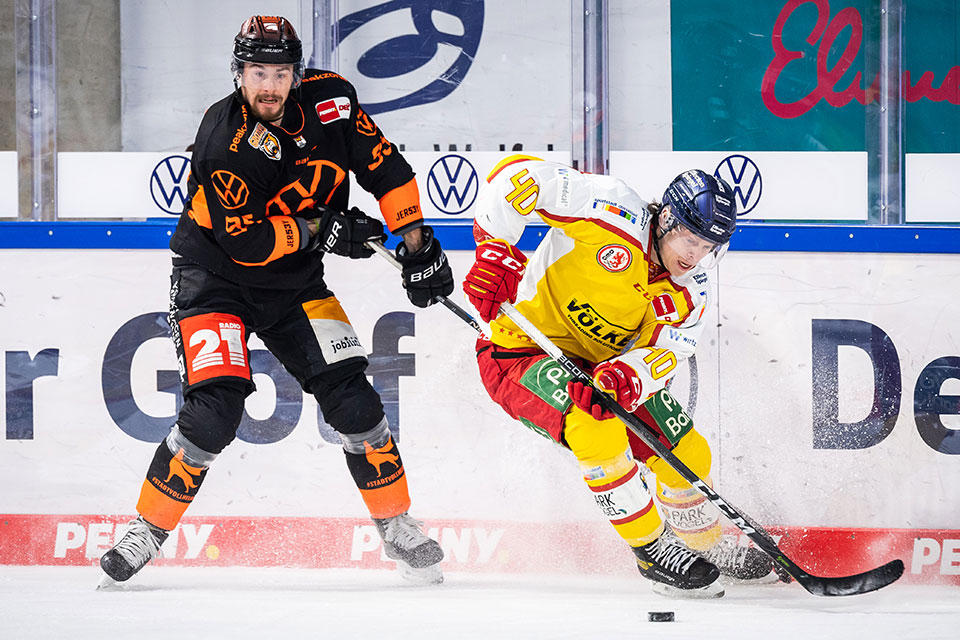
239, 603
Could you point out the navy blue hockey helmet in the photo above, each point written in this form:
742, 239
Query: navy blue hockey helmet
704, 204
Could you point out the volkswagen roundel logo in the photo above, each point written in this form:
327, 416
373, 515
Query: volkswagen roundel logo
452, 184
168, 183
743, 175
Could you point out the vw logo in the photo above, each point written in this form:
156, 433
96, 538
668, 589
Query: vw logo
743, 175
452, 184
168, 183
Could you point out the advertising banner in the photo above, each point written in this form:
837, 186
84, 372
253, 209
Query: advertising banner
932, 192
430, 72
827, 385
154, 185
8, 184
767, 185
802, 75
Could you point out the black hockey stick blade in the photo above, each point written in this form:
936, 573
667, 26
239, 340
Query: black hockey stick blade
817, 585
853, 585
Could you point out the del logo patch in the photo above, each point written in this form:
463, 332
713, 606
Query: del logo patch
614, 258
665, 308
333, 109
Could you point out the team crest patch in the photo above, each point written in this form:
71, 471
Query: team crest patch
665, 308
333, 109
262, 139
614, 258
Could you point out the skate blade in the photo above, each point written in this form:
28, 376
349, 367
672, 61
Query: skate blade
421, 577
109, 584
714, 590
770, 578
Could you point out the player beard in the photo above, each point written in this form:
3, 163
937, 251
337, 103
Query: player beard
268, 111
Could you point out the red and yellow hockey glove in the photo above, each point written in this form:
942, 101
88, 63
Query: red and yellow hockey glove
494, 277
614, 377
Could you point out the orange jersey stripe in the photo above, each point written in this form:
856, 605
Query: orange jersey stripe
286, 239
198, 211
401, 206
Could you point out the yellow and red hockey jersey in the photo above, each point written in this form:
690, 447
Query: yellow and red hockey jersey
591, 286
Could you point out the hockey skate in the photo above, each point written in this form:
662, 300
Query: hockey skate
418, 557
676, 571
138, 546
739, 564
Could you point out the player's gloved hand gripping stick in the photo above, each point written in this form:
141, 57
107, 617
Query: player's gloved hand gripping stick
345, 233
817, 585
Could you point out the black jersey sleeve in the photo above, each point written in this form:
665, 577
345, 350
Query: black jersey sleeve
382, 170
376, 162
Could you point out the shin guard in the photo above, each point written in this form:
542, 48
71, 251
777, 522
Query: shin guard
376, 467
695, 520
173, 479
621, 494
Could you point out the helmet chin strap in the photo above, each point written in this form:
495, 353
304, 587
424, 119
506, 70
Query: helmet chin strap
657, 237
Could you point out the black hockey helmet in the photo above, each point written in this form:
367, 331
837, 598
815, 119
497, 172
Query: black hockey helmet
268, 40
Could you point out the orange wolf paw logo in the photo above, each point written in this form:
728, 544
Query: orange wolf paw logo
182, 470
377, 457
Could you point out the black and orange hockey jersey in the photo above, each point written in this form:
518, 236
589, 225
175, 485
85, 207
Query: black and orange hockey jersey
253, 185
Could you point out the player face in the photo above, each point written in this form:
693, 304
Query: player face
681, 250
265, 87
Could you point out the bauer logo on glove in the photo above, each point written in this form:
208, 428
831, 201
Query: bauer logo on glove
345, 234
426, 272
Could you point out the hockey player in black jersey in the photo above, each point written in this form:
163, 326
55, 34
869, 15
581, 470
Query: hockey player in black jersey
268, 198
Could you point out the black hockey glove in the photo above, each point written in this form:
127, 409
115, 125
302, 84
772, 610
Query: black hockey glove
345, 234
426, 272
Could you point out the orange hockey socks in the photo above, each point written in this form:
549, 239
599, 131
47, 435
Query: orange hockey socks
376, 467
173, 479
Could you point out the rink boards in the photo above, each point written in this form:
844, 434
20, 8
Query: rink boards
931, 556
827, 385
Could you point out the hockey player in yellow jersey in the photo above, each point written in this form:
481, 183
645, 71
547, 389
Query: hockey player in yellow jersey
621, 285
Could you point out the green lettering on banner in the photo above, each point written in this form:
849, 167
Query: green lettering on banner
669, 415
548, 381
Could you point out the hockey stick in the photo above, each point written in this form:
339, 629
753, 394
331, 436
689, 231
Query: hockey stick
817, 585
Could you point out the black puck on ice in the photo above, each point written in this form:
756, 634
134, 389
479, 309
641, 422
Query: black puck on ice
660, 616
